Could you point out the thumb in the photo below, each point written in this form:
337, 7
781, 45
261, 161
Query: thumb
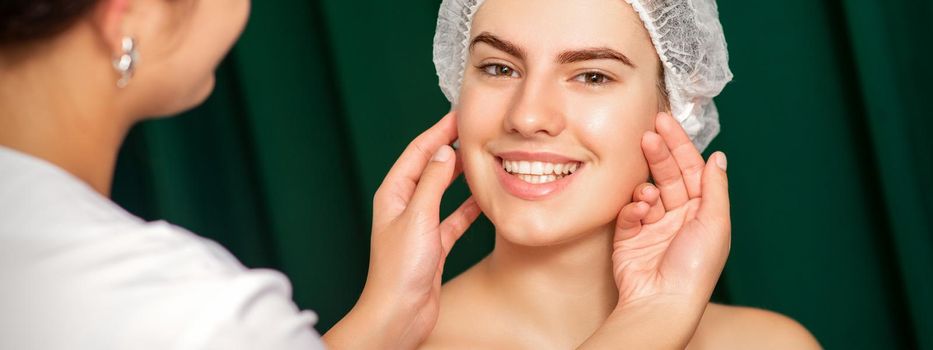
457, 223
434, 180
628, 222
714, 205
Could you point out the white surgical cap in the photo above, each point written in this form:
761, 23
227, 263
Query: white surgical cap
686, 33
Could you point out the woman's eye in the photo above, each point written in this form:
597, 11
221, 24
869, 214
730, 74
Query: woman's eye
593, 78
499, 70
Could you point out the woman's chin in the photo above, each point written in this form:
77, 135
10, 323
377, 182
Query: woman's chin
535, 235
201, 93
195, 97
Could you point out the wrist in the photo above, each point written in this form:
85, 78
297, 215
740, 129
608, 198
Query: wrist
680, 304
375, 322
655, 323
391, 313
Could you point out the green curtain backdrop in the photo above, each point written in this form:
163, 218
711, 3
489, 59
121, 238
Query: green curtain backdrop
824, 125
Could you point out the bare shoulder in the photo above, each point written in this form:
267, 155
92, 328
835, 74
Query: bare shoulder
736, 327
468, 318
448, 332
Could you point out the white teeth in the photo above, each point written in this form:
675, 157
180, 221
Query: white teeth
537, 168
538, 179
539, 172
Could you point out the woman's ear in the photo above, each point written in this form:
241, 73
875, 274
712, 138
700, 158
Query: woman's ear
109, 19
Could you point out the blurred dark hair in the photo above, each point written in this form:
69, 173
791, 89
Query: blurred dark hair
24, 21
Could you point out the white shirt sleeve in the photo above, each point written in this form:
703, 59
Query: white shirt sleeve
174, 291
79, 272
239, 308
254, 311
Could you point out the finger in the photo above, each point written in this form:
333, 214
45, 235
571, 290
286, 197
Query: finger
399, 184
457, 223
714, 204
433, 182
656, 212
628, 223
649, 194
643, 192
685, 153
458, 166
664, 170
413, 159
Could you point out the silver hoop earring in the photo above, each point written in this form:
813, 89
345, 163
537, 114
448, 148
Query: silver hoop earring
126, 63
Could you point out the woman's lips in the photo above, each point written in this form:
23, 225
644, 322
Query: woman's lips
553, 169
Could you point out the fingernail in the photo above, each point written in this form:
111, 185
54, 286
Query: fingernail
646, 191
442, 154
721, 161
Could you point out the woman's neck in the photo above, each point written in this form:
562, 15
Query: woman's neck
58, 106
564, 289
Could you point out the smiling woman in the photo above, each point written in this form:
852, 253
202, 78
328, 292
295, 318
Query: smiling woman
590, 112
557, 105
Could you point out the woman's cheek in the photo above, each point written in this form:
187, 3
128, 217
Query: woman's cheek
613, 132
470, 119
481, 110
479, 119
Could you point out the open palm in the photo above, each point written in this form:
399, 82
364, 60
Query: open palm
673, 239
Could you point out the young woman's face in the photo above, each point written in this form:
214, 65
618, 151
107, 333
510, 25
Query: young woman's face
555, 99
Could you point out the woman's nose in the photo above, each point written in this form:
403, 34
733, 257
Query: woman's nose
536, 111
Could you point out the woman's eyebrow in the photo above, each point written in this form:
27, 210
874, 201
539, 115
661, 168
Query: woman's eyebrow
498, 43
598, 53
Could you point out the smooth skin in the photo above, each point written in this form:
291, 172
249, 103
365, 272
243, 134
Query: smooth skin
609, 249
666, 261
